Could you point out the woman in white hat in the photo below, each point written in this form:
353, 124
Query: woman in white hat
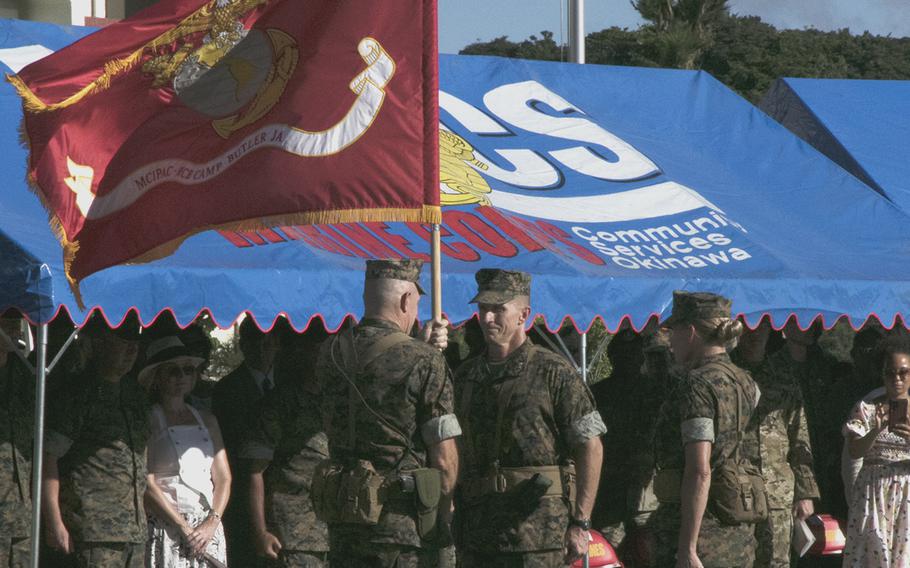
189, 480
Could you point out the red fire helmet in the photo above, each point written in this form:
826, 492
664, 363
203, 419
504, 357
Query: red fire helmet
600, 553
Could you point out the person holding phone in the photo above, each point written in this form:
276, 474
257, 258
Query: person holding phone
878, 431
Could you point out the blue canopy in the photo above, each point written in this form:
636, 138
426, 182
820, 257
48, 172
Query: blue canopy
864, 126
612, 186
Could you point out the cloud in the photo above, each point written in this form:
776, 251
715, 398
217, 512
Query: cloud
881, 17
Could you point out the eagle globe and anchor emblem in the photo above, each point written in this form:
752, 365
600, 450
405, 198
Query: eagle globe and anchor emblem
235, 77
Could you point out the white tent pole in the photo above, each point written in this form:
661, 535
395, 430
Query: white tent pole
577, 31
59, 355
598, 354
583, 356
38, 448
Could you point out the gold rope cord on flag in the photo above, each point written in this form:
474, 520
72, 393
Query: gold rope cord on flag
209, 17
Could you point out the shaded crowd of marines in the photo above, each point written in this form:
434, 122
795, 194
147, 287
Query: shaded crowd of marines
362, 448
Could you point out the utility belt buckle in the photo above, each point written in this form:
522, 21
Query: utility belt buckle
499, 483
406, 483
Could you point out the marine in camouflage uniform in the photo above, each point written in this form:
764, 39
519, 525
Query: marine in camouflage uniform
96, 447
702, 407
286, 443
17, 403
817, 373
636, 543
233, 399
778, 443
629, 419
521, 414
405, 415
628, 401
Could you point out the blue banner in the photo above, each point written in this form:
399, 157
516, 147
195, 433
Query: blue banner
863, 126
612, 186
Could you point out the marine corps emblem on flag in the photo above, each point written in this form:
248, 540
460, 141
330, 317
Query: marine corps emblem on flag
256, 73
233, 113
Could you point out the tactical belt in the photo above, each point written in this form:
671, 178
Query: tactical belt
399, 486
561, 477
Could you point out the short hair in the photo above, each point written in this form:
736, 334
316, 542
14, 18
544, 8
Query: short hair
382, 292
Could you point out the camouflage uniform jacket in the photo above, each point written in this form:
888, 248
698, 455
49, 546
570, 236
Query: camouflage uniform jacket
817, 377
17, 403
703, 407
548, 412
628, 405
98, 431
409, 387
289, 433
778, 440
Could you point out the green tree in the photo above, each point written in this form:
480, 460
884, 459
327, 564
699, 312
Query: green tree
744, 53
544, 48
680, 30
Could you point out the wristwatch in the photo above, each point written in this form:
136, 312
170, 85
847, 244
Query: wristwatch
583, 524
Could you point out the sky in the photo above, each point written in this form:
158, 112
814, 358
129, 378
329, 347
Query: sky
462, 22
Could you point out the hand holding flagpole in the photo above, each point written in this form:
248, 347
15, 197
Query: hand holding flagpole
438, 326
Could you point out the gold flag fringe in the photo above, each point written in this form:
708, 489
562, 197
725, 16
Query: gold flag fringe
431, 214
70, 248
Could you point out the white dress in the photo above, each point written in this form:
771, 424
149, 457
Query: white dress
878, 531
181, 458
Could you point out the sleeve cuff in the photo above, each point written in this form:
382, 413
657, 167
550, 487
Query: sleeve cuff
805, 486
440, 429
856, 427
698, 430
56, 444
254, 451
591, 425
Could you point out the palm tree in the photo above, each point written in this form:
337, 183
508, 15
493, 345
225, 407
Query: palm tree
682, 28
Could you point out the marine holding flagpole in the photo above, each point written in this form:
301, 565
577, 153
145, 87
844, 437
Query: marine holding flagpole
388, 408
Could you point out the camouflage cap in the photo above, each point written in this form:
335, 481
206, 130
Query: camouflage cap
406, 269
691, 306
495, 286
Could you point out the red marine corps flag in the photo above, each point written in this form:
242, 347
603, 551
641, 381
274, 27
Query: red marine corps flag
233, 113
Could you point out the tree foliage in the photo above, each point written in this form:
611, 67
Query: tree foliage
741, 51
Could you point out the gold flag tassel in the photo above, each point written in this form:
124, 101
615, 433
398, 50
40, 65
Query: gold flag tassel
70, 248
429, 214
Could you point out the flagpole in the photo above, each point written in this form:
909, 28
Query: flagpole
436, 259
577, 31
